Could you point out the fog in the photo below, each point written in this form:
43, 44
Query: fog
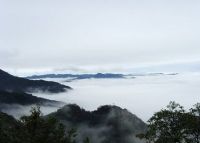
18, 111
142, 95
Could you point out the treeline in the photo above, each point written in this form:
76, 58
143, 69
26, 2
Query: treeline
174, 125
171, 125
35, 129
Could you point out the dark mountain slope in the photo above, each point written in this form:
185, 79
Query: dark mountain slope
108, 124
12, 83
18, 104
23, 99
7, 121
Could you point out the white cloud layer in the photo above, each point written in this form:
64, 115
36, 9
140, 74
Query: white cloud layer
143, 95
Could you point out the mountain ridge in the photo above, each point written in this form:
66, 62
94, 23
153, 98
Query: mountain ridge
9, 82
23, 99
106, 124
78, 76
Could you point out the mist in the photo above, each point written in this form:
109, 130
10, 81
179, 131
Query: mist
18, 111
143, 95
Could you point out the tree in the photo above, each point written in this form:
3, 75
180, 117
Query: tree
34, 128
174, 125
87, 140
166, 126
38, 129
193, 124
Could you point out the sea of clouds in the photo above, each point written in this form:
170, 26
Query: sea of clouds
142, 95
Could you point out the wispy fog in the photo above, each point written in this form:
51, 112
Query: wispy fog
18, 111
142, 95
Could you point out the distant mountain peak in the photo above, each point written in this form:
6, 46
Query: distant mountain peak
79, 76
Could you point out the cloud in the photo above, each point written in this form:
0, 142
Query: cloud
50, 35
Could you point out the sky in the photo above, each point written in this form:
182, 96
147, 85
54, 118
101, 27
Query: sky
97, 35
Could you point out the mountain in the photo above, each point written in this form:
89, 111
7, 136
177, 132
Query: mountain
9, 82
107, 124
78, 76
19, 103
23, 99
72, 77
7, 121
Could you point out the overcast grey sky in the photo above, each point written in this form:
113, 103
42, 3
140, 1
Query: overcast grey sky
97, 34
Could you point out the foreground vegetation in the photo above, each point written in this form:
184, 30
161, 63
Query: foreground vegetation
174, 125
171, 125
35, 129
107, 124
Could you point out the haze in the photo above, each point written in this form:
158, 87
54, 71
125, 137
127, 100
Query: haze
97, 35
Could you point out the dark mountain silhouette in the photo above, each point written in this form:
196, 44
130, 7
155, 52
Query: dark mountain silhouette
7, 121
78, 76
108, 124
96, 76
23, 99
12, 83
